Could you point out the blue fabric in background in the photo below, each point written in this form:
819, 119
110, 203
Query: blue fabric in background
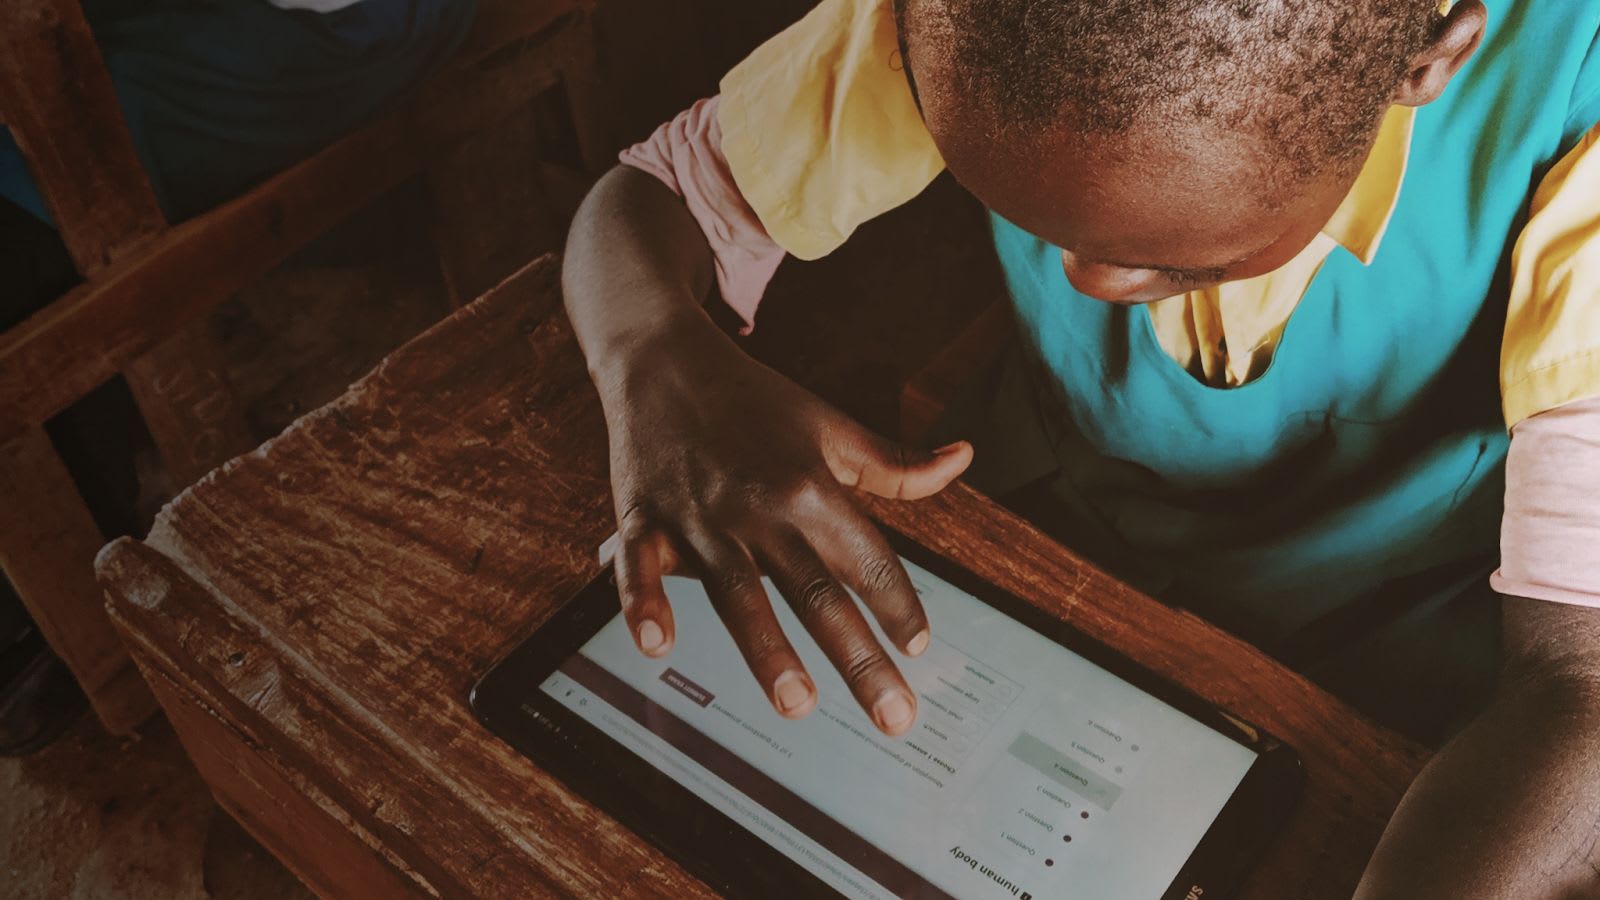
16, 184
221, 94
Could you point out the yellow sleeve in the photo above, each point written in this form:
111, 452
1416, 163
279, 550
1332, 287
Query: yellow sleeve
1551, 353
820, 129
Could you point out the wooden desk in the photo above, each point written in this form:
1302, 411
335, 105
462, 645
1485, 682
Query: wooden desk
313, 615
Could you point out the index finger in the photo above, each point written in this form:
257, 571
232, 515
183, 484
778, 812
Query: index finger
643, 557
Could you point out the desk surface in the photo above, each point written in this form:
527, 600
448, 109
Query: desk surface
330, 599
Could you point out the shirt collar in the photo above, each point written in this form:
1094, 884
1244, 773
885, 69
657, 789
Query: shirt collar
1360, 221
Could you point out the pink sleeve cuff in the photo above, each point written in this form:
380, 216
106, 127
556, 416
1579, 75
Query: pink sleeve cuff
685, 154
1550, 537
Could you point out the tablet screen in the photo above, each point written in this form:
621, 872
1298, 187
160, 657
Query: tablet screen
1030, 773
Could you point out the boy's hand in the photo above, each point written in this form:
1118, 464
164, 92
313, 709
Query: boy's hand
722, 468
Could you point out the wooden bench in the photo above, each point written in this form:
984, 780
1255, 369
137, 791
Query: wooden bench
147, 282
313, 616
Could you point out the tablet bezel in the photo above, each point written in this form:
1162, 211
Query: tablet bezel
738, 863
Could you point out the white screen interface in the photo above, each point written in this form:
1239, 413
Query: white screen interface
1030, 772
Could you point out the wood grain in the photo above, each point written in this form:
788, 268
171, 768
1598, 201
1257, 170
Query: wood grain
47, 544
333, 596
66, 118
192, 412
59, 103
323, 849
505, 543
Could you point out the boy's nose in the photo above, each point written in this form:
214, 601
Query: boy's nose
1114, 284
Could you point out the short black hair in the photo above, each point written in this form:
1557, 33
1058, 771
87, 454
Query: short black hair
1312, 76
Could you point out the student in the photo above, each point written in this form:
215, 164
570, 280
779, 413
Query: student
218, 96
1286, 274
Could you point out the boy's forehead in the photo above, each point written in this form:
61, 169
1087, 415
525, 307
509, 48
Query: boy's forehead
1154, 164
1176, 197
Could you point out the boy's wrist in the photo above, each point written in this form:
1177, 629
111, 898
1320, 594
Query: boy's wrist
624, 354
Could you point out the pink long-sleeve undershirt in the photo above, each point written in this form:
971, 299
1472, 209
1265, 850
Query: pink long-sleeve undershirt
1550, 536
686, 155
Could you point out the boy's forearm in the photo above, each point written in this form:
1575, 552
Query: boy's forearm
636, 262
1510, 808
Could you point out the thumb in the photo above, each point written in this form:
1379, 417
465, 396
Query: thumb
890, 469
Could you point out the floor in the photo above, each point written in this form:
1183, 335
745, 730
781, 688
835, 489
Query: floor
94, 816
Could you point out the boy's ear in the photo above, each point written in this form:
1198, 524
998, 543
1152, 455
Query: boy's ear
1431, 70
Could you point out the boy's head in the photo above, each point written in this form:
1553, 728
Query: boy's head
1167, 144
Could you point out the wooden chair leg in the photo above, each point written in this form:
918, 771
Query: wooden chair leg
183, 392
48, 542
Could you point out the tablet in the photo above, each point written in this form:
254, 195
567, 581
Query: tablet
1041, 764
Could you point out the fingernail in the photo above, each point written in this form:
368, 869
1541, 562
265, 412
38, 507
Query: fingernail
947, 448
651, 637
919, 643
793, 691
893, 711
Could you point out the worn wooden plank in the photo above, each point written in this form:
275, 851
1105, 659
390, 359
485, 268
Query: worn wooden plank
283, 814
421, 810
191, 410
58, 101
81, 340
48, 542
466, 812
361, 570
143, 584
